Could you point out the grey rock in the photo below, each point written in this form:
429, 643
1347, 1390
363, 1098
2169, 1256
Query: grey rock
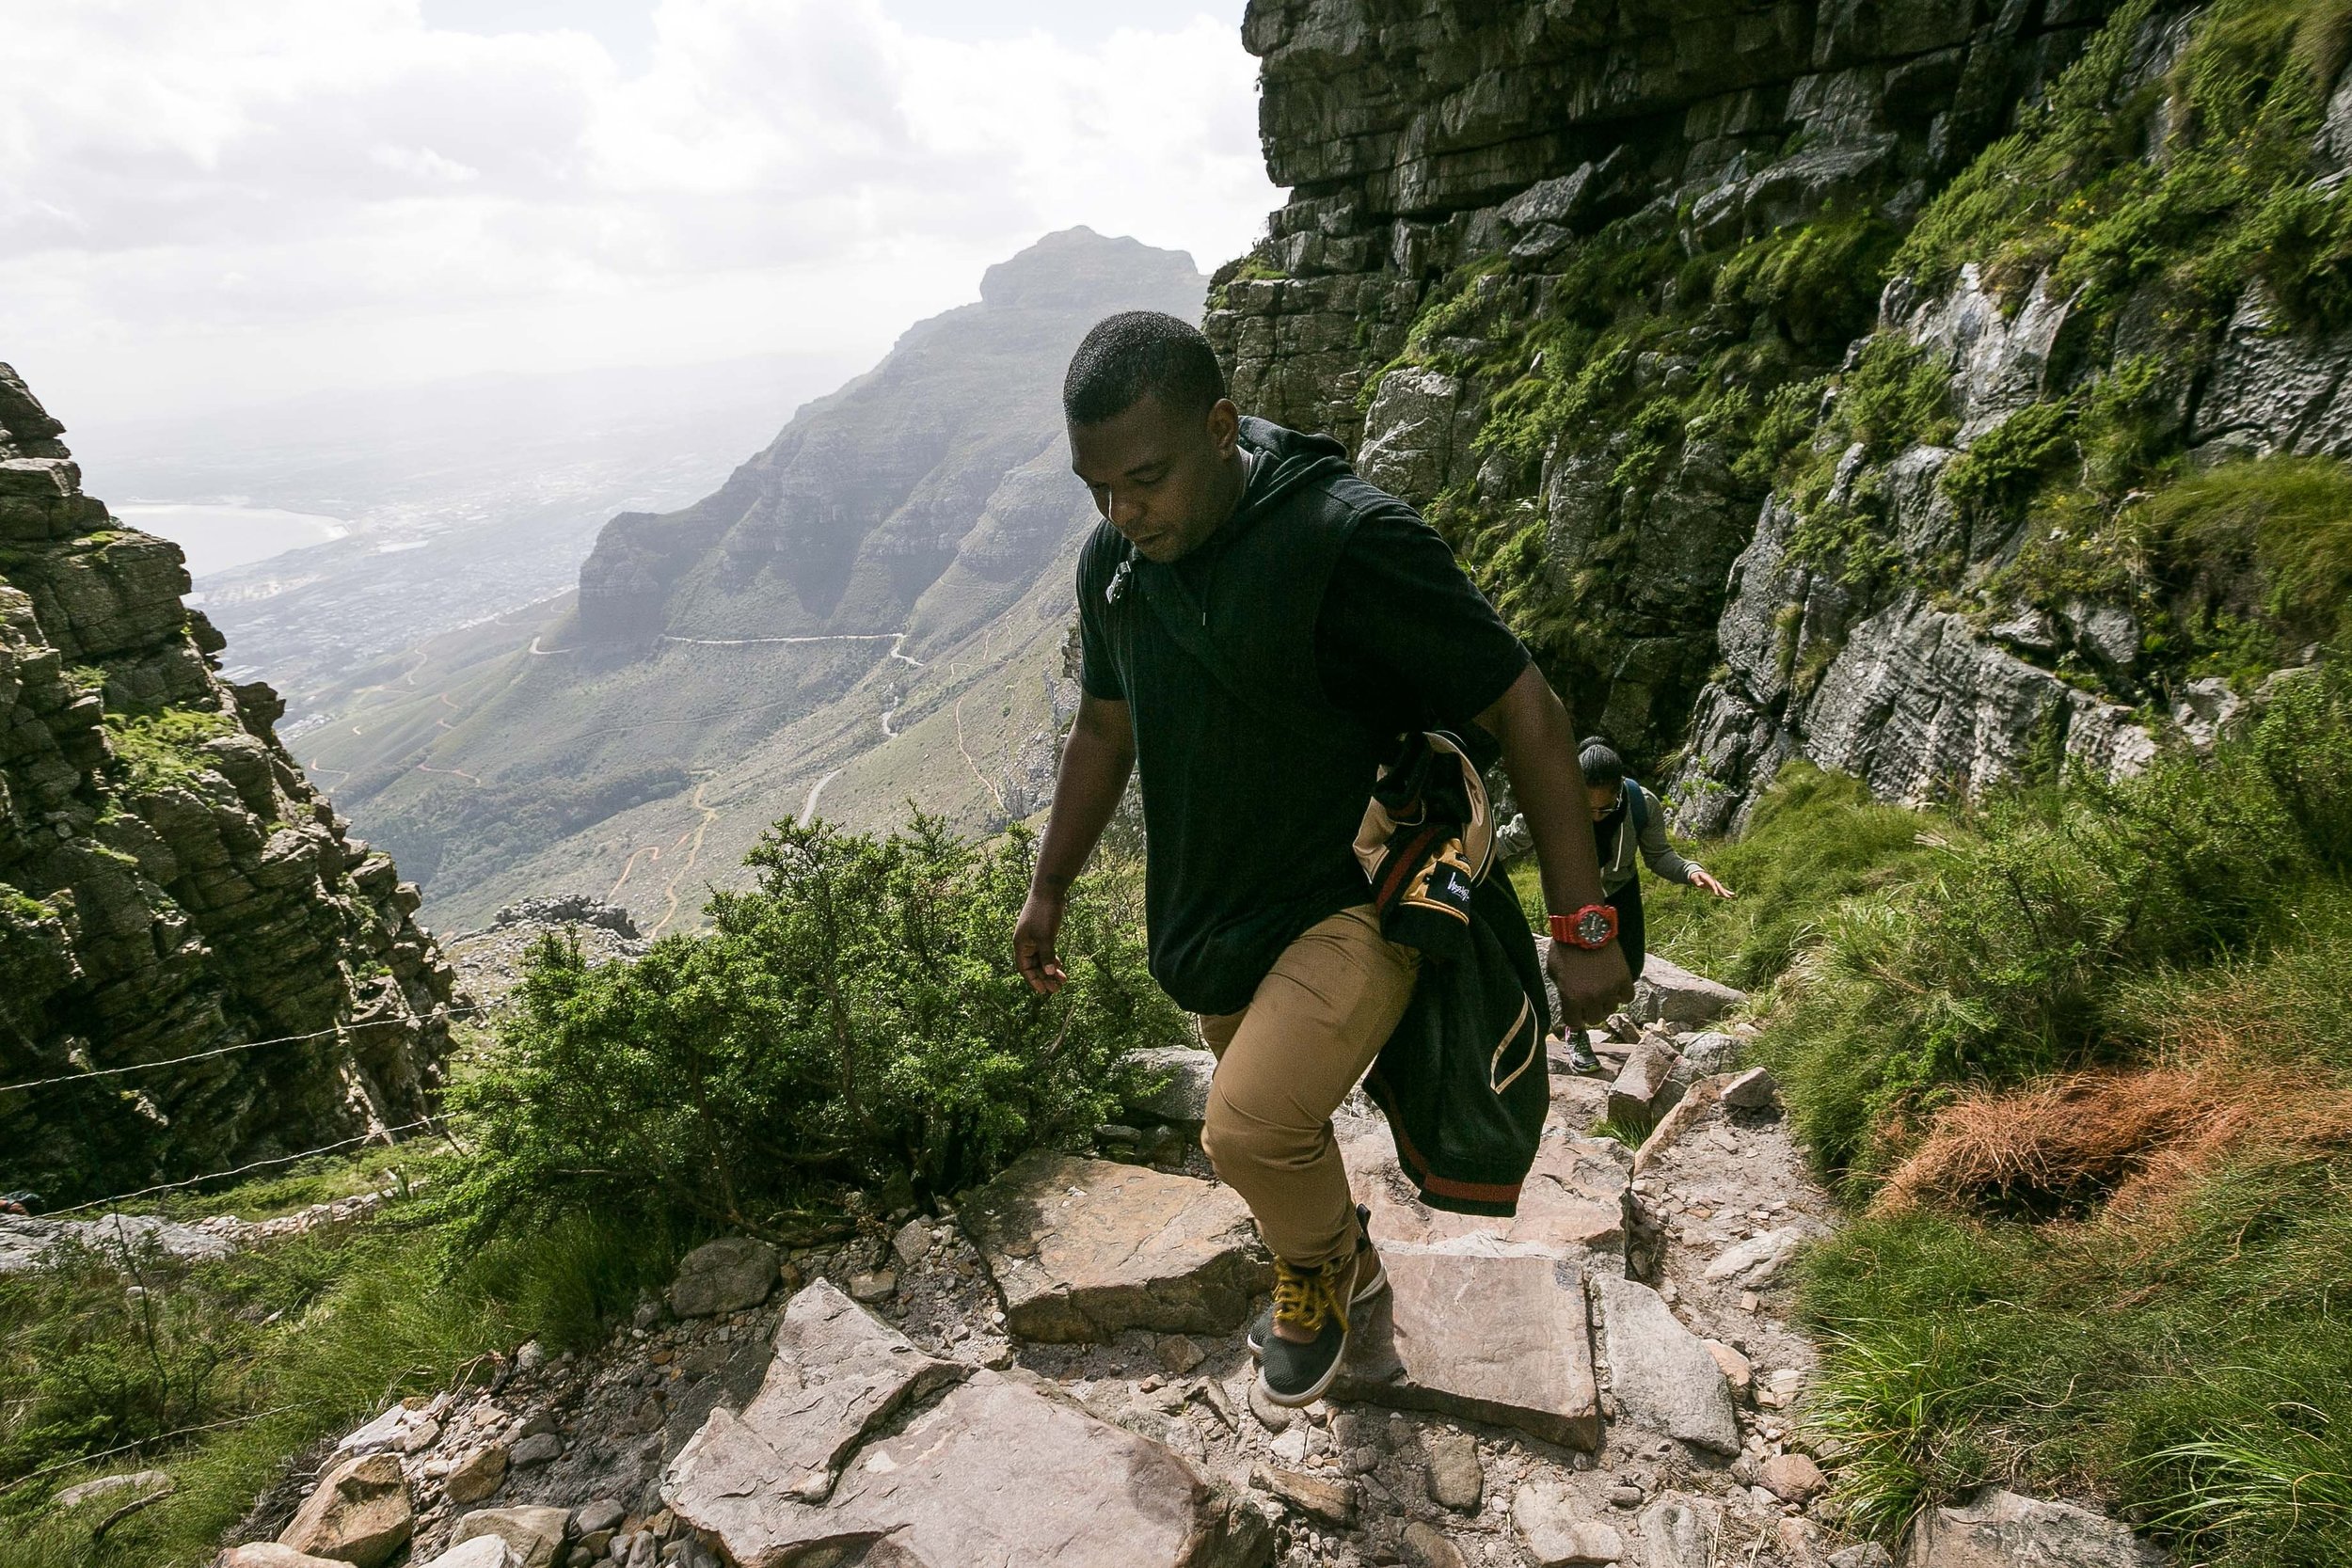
1668, 993
1644, 1087
1679, 1530
911, 1243
27, 1241
483, 1551
1752, 1091
602, 1514
1555, 1533
113, 1489
1869, 1554
1660, 1372
1997, 1528
725, 1275
836, 1373
1184, 1096
1408, 432
534, 1535
1456, 1479
873, 1285
1332, 1503
936, 1489
1084, 1249
1758, 1259
536, 1449
2204, 708
1710, 1052
1427, 1547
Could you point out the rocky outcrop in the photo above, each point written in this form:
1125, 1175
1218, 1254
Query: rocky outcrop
170, 886
1681, 323
1476, 192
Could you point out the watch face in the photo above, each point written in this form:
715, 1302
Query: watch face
1592, 928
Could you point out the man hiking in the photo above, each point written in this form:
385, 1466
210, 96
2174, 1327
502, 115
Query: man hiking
1258, 627
1628, 822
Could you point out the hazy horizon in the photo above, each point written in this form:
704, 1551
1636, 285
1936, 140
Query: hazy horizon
224, 207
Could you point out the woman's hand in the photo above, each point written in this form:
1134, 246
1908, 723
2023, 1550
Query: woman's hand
1701, 878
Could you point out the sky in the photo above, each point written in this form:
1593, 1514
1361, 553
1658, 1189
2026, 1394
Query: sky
209, 203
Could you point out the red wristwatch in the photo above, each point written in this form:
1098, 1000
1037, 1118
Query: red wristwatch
1592, 928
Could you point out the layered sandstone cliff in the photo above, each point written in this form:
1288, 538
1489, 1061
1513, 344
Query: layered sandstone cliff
1699, 330
170, 886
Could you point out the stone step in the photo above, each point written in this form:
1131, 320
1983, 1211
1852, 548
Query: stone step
1084, 1249
999, 1470
1469, 1329
1571, 1206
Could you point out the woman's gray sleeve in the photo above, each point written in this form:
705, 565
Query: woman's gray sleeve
1655, 850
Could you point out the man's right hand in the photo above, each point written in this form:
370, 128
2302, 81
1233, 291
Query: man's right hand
1593, 982
1033, 937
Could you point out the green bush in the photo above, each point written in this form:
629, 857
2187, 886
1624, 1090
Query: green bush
853, 1020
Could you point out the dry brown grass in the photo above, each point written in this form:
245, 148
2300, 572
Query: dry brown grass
2127, 1140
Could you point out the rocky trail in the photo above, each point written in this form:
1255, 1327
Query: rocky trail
1053, 1374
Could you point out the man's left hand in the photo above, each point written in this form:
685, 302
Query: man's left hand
1703, 879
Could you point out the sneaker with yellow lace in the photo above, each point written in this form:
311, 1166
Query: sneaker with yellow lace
1315, 1300
1371, 1279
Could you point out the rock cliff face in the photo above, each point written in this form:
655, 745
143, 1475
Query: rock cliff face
869, 496
1755, 357
170, 885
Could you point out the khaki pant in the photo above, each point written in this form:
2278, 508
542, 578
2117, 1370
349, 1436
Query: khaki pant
1284, 1064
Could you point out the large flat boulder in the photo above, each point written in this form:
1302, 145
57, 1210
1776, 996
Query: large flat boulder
1997, 1528
1668, 993
837, 1371
1469, 1329
1663, 1374
1084, 1249
1573, 1202
998, 1471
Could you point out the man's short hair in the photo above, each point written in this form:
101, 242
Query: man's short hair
1126, 355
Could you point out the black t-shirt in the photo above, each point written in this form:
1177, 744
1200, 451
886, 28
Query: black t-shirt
1404, 638
1268, 672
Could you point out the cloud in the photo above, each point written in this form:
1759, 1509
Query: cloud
237, 198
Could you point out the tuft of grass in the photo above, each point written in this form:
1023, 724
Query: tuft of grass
1814, 840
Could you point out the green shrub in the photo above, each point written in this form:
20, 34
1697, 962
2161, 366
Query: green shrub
854, 1019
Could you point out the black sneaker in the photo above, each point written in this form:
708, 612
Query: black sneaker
1295, 1373
1262, 1326
1581, 1057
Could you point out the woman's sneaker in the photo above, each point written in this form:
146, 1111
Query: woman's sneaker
1367, 1284
1581, 1057
1297, 1371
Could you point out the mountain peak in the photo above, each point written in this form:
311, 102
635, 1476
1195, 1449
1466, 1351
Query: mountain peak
1076, 267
